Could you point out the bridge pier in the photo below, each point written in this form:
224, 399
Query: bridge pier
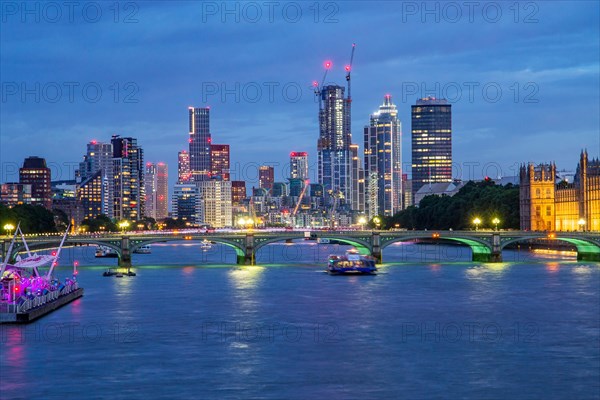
248, 257
376, 250
583, 256
3, 250
125, 257
496, 248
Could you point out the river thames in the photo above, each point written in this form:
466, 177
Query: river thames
432, 324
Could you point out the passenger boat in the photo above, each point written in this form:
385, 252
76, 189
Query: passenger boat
143, 250
353, 263
205, 245
105, 252
28, 287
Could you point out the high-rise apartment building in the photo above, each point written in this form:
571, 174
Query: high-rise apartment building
127, 179
266, 177
200, 140
334, 156
219, 161
156, 190
431, 131
238, 192
90, 194
98, 157
187, 204
215, 196
184, 173
383, 161
299, 165
35, 173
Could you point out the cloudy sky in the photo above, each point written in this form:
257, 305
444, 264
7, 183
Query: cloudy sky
523, 78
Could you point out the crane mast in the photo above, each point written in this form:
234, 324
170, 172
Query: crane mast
349, 70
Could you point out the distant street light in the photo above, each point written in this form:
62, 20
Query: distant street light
362, 221
581, 224
496, 221
477, 221
8, 228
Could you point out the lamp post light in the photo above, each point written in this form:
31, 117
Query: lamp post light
477, 221
496, 221
123, 225
377, 221
362, 221
8, 228
581, 224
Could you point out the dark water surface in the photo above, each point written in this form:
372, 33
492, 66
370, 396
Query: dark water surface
432, 324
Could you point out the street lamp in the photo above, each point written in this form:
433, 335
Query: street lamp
377, 221
581, 224
123, 225
362, 221
8, 228
496, 221
477, 221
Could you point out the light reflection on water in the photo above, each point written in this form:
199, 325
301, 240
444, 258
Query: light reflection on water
278, 330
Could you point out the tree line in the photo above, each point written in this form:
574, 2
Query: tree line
484, 200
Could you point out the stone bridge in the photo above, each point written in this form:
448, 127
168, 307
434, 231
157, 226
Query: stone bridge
486, 246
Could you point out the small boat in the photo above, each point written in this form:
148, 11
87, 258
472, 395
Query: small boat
105, 252
205, 245
143, 250
323, 241
353, 263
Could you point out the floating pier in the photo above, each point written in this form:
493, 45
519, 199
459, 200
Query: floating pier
18, 315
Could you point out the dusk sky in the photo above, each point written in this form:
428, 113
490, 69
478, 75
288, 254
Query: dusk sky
542, 56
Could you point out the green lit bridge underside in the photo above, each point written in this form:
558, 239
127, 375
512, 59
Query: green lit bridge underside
486, 246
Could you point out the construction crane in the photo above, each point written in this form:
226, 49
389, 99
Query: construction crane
349, 70
306, 182
318, 88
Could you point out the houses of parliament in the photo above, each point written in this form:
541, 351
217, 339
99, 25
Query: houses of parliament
551, 204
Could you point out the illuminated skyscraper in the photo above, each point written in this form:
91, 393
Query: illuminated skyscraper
299, 165
150, 189
162, 190
98, 157
238, 192
266, 177
383, 161
156, 189
358, 181
215, 196
128, 179
199, 124
334, 157
183, 167
431, 142
35, 173
90, 194
219, 161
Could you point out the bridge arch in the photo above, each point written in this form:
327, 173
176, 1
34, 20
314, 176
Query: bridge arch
362, 246
482, 250
239, 250
54, 243
587, 249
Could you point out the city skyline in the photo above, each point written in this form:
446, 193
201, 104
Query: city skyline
484, 136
